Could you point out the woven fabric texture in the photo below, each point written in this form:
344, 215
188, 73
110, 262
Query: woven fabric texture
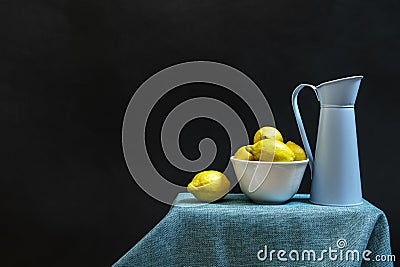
238, 232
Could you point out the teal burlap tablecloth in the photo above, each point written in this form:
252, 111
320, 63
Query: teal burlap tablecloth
238, 232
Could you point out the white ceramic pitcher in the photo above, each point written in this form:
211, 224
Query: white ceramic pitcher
335, 170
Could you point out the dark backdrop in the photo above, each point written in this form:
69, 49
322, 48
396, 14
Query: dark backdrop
69, 68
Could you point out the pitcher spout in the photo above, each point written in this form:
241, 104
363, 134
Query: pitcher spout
339, 93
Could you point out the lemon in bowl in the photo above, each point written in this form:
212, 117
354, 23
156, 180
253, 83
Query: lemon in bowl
271, 150
267, 132
299, 153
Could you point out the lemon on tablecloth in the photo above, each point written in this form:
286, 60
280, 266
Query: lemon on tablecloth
209, 186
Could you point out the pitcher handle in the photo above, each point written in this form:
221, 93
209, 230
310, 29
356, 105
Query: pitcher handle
300, 122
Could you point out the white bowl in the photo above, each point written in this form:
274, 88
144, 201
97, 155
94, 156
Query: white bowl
269, 182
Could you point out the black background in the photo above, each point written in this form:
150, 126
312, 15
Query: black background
69, 68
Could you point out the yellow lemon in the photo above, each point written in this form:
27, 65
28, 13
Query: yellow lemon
243, 154
267, 133
297, 150
209, 186
271, 150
